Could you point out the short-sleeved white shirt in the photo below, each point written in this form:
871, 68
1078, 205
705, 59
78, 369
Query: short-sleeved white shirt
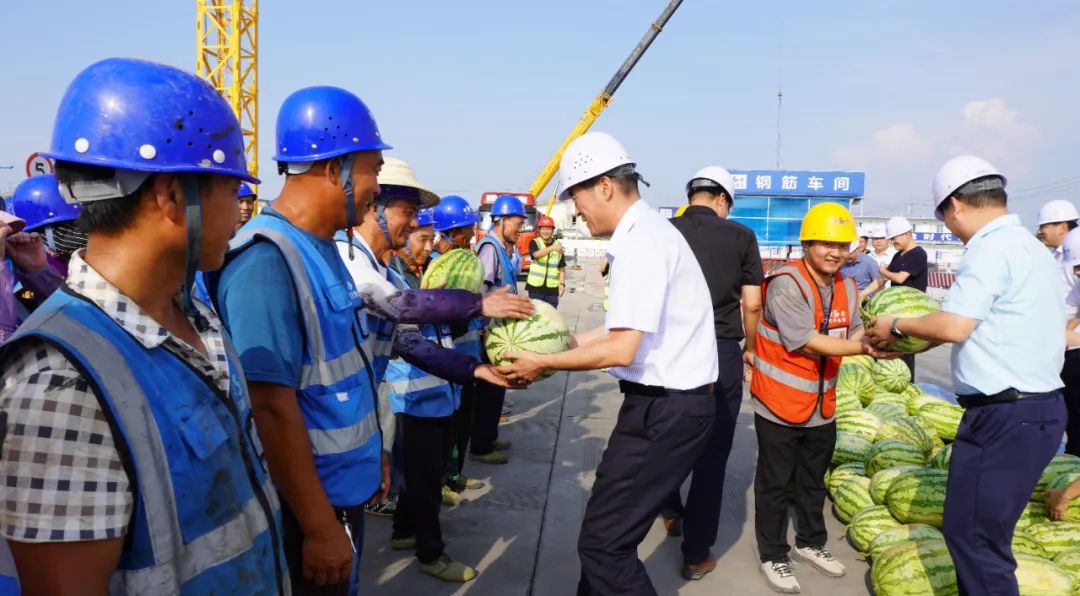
657, 287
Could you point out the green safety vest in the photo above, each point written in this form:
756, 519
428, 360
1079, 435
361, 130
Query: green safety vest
544, 272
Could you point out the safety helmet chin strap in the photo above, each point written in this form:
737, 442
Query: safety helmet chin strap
380, 216
346, 162
193, 215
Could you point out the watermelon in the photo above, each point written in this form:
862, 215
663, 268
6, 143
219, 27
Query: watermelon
857, 380
941, 457
850, 448
1063, 480
847, 401
893, 452
931, 433
458, 269
944, 417
880, 482
1055, 537
842, 473
886, 410
1062, 464
919, 568
881, 396
1038, 576
1022, 543
861, 361
901, 534
892, 375
544, 332
906, 429
852, 495
918, 400
860, 422
901, 302
867, 523
1034, 513
1069, 562
918, 497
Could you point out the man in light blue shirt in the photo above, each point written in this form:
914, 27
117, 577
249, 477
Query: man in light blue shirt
1003, 315
862, 268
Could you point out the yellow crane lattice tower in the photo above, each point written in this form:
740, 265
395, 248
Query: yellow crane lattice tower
227, 34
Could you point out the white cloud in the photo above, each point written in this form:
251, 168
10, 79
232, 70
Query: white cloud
993, 115
898, 144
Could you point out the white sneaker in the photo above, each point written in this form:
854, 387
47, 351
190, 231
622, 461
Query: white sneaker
780, 576
820, 557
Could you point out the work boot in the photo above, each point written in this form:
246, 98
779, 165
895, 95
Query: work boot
673, 525
695, 571
406, 543
501, 445
460, 483
495, 457
780, 576
450, 498
821, 558
383, 509
448, 570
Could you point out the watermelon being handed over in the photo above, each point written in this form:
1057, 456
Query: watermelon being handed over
914, 568
544, 333
901, 302
867, 523
458, 269
1037, 576
893, 376
901, 534
919, 497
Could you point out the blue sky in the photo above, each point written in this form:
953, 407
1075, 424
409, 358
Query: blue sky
477, 94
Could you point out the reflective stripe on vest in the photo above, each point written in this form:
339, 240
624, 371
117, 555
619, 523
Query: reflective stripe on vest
169, 549
337, 389
791, 385
544, 272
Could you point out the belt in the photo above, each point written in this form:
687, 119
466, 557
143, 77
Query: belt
631, 388
981, 399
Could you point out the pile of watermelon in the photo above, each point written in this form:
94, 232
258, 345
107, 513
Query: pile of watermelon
888, 482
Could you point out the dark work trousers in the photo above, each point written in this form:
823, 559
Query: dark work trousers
790, 455
293, 538
1070, 375
486, 414
999, 453
427, 448
704, 501
909, 359
463, 424
652, 449
551, 298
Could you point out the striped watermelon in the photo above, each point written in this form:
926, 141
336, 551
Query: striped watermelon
852, 495
941, 457
842, 473
918, 400
847, 401
902, 302
1022, 543
944, 417
881, 396
850, 448
1055, 537
860, 422
931, 432
1034, 513
886, 410
544, 332
892, 375
1062, 481
1038, 576
905, 428
458, 269
1069, 562
901, 534
918, 497
867, 523
880, 482
1063, 463
857, 380
861, 361
919, 568
893, 452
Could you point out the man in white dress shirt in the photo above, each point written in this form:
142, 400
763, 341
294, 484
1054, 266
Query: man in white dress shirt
1056, 219
658, 341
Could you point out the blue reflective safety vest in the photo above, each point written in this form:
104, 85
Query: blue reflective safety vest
206, 516
337, 386
412, 390
378, 331
507, 273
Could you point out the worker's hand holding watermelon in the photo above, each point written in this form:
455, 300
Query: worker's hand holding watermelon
501, 304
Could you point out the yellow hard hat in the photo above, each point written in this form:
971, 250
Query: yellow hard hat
681, 210
828, 222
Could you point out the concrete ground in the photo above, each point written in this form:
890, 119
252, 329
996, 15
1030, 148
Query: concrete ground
521, 529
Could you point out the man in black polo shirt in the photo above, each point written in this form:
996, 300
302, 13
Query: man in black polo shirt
909, 265
728, 255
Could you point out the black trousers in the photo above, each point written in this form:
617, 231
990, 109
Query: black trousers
790, 455
551, 297
651, 451
1070, 375
427, 449
293, 539
909, 359
705, 499
463, 425
486, 414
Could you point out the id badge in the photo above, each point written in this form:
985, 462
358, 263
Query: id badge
839, 333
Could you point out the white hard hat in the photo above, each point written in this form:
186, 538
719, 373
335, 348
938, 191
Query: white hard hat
1071, 249
397, 172
957, 172
896, 226
589, 156
717, 174
1057, 211
877, 231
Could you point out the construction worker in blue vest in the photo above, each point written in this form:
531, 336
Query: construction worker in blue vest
1003, 316
128, 393
388, 301
495, 251
455, 227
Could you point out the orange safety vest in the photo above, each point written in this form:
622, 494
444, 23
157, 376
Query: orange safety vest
791, 385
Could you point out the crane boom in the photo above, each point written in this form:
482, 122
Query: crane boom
602, 100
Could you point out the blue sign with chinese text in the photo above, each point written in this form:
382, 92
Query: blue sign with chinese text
936, 237
779, 183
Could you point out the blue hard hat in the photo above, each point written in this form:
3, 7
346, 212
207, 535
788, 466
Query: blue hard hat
317, 123
138, 115
454, 212
507, 205
37, 200
245, 191
425, 217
